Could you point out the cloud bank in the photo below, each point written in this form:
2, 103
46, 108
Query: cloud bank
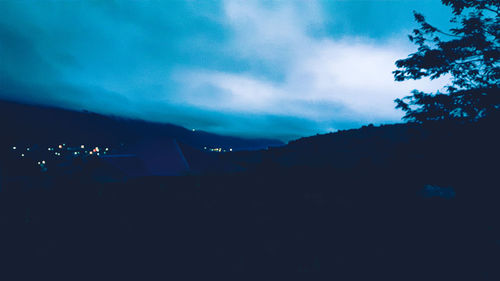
248, 68
329, 82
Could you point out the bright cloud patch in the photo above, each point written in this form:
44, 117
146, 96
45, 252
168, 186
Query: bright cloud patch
328, 81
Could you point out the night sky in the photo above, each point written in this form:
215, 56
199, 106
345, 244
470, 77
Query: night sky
246, 68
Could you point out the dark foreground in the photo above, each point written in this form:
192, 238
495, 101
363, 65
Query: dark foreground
356, 227
411, 211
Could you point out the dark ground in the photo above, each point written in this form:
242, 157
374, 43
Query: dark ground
346, 206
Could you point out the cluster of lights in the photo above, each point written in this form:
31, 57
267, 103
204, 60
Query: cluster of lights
61, 147
60, 150
217, 149
15, 147
22, 154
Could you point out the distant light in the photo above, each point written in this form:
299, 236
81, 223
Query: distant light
90, 152
82, 146
43, 161
60, 146
230, 149
64, 144
28, 149
107, 149
22, 155
38, 162
97, 153
49, 148
205, 147
76, 152
194, 130
14, 147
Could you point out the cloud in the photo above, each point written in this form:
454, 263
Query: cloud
332, 82
248, 68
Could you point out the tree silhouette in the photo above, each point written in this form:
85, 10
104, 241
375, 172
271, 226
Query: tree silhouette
469, 53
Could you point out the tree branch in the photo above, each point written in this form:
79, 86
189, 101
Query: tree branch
489, 9
448, 34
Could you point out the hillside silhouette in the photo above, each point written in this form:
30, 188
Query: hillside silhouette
400, 202
25, 124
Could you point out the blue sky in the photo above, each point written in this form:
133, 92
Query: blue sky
280, 69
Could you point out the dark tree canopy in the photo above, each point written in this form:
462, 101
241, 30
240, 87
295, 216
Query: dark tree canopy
469, 53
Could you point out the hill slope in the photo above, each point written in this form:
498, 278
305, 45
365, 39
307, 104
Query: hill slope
26, 124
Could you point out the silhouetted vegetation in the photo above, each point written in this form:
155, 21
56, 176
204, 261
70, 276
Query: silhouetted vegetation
469, 53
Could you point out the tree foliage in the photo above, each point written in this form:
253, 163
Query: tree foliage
469, 53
